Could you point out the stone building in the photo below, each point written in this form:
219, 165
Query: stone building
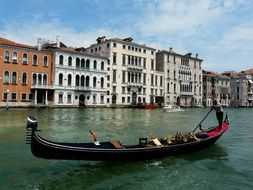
216, 86
131, 75
242, 89
79, 77
183, 78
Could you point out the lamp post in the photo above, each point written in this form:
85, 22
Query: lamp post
7, 99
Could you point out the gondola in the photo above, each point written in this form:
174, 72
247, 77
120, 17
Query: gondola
115, 151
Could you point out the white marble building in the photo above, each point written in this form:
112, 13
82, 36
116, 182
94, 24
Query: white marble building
79, 78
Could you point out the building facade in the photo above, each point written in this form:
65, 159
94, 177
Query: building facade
216, 86
183, 78
25, 75
131, 71
242, 89
79, 77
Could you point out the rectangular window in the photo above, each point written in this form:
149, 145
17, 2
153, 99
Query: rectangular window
123, 100
123, 90
114, 45
161, 81
144, 63
30, 96
152, 80
114, 75
123, 59
144, 79
108, 100
60, 98
124, 46
114, 89
5, 95
23, 96
13, 96
102, 99
144, 91
114, 58
152, 64
69, 98
123, 76
128, 99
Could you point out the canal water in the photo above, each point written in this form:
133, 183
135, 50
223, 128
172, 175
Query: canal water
226, 165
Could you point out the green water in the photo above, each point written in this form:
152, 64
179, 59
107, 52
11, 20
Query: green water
226, 165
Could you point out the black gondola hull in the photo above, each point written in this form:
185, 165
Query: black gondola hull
43, 148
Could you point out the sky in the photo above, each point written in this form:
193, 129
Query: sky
219, 31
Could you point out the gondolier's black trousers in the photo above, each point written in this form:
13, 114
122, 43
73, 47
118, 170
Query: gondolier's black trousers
219, 116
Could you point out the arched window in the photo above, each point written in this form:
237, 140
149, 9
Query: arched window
82, 63
69, 80
61, 60
24, 78
15, 57
95, 64
25, 58
87, 81
7, 56
6, 77
77, 80
45, 61
44, 79
35, 60
34, 79
102, 82
77, 62
87, 63
102, 65
94, 82
60, 79
82, 80
39, 79
14, 78
70, 61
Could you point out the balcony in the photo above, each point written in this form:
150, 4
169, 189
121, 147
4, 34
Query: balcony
82, 88
135, 67
42, 86
186, 93
134, 84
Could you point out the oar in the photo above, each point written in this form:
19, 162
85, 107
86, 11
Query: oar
202, 120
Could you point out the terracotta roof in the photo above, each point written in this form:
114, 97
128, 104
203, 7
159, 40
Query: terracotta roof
4, 41
248, 72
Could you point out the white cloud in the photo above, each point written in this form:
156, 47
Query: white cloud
28, 31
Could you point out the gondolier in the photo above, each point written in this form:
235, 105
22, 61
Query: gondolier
219, 112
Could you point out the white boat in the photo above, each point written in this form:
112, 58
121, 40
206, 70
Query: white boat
172, 108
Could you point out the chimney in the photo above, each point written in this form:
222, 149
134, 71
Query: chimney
197, 56
57, 41
39, 40
170, 49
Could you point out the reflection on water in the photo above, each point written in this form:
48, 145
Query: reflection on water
230, 157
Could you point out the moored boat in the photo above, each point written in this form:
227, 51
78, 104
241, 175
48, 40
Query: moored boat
113, 150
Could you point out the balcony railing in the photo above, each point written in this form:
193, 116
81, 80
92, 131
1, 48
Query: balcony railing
135, 67
42, 86
187, 93
134, 84
82, 88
